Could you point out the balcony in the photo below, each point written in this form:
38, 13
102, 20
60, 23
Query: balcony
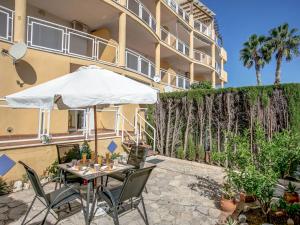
175, 80
142, 12
139, 64
218, 69
6, 24
202, 57
178, 10
202, 28
51, 37
174, 42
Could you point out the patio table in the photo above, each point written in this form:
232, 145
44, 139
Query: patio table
90, 176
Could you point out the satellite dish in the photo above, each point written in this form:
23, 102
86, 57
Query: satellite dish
156, 79
168, 89
16, 51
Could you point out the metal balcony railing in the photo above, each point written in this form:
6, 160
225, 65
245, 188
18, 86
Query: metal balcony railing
51, 37
202, 28
139, 64
142, 12
218, 68
174, 42
176, 8
174, 80
202, 57
6, 24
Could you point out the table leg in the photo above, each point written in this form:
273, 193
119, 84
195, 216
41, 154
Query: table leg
87, 210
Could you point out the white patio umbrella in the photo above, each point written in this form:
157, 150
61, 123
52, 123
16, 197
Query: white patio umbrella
89, 86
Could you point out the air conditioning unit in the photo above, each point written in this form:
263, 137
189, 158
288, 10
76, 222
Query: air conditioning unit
80, 26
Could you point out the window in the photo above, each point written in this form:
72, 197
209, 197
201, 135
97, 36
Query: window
76, 120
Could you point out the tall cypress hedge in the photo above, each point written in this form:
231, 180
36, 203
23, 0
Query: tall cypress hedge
207, 116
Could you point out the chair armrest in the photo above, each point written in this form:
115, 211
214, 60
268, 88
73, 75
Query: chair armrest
108, 192
65, 191
50, 181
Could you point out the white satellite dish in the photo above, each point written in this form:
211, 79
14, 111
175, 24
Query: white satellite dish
156, 79
16, 51
168, 89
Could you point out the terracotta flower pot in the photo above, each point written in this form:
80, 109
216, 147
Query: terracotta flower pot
291, 197
227, 205
246, 198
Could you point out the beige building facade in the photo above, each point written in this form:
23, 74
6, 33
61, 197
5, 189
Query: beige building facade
167, 44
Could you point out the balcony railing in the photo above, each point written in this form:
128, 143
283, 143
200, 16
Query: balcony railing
174, 42
174, 80
48, 36
139, 64
202, 57
176, 8
218, 68
6, 24
202, 28
142, 12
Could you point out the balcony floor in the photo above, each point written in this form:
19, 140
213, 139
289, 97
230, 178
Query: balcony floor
178, 193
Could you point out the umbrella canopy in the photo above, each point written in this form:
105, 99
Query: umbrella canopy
89, 86
86, 87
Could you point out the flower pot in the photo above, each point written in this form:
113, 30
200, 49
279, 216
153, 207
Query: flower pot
290, 222
227, 205
246, 198
291, 197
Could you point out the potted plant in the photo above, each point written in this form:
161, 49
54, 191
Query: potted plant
45, 139
290, 195
291, 210
227, 202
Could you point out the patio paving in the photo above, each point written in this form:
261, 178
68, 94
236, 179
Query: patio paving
179, 192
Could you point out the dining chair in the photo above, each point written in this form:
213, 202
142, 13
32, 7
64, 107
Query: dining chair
66, 153
137, 157
126, 197
52, 200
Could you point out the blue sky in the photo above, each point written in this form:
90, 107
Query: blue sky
238, 19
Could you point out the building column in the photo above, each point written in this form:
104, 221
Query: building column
122, 39
20, 21
192, 44
192, 75
191, 16
213, 79
213, 55
222, 84
157, 59
158, 17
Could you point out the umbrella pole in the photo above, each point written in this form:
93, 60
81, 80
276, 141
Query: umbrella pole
95, 128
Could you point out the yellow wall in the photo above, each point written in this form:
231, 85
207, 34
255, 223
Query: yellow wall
39, 158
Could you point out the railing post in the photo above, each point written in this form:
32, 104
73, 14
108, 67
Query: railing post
122, 129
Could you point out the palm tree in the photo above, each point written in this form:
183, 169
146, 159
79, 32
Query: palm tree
285, 43
255, 53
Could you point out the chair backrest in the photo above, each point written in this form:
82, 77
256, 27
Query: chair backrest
137, 156
67, 152
35, 181
135, 183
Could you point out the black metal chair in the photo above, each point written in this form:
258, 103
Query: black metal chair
66, 153
137, 157
127, 196
52, 200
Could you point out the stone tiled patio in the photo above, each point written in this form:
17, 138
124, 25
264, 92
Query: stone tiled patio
174, 197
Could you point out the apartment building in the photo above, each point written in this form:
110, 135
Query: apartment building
168, 44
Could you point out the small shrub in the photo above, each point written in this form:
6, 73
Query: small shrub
202, 85
4, 187
180, 152
52, 170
